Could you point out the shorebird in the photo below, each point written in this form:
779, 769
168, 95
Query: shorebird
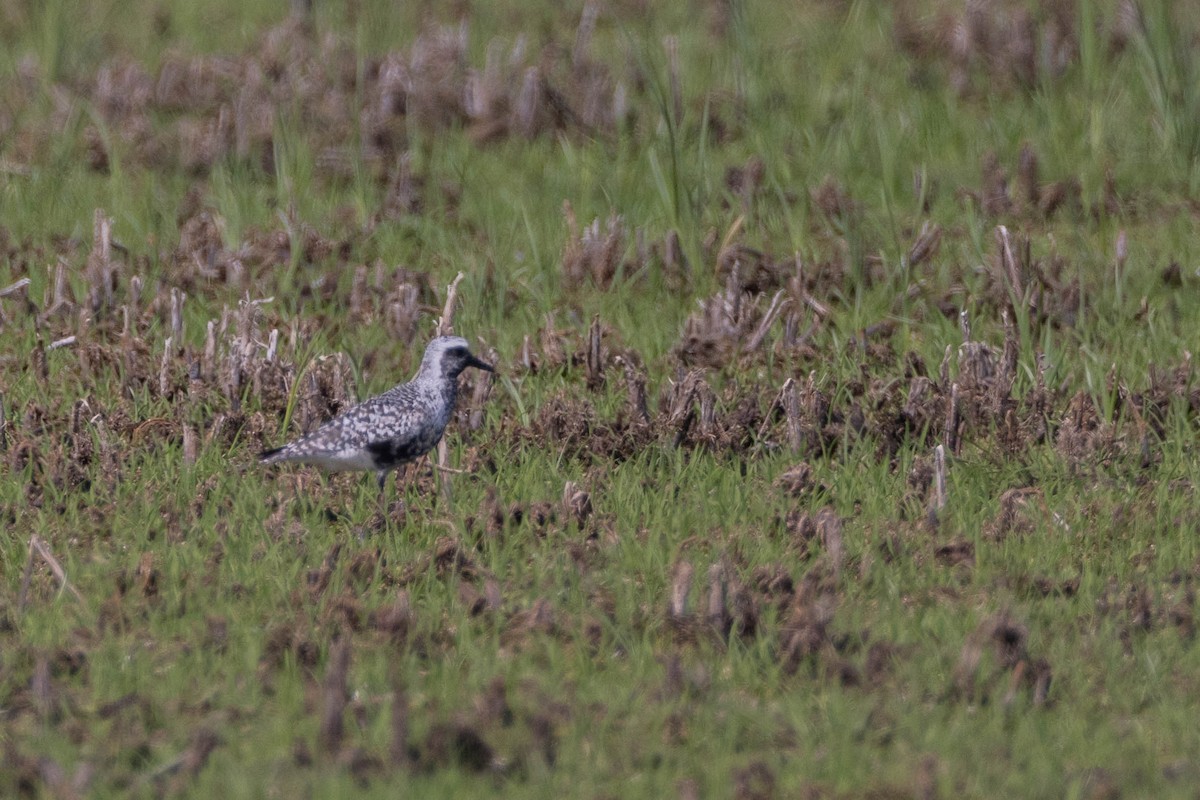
394, 428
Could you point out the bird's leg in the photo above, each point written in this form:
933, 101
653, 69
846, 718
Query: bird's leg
381, 478
401, 487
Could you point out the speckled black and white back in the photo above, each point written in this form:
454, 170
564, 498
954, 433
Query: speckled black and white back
394, 428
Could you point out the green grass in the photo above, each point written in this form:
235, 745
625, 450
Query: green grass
214, 595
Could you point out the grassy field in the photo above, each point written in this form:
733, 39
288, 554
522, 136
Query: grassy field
842, 442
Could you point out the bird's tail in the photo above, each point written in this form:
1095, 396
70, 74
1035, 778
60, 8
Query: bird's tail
271, 456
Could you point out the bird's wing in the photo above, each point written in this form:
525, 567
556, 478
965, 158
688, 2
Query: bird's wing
330, 437
382, 426
405, 427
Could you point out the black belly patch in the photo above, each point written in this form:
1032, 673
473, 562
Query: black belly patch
390, 453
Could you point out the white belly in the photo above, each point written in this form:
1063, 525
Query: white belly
344, 461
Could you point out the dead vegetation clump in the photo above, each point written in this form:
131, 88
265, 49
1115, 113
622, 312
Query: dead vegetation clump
983, 46
598, 256
727, 607
560, 90
1139, 609
1082, 438
1010, 668
798, 481
737, 321
194, 112
567, 424
923, 411
805, 637
691, 414
496, 730
1168, 389
592, 254
1019, 284
796, 617
767, 303
1021, 512
495, 519
326, 389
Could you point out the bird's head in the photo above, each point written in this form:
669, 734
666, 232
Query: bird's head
448, 356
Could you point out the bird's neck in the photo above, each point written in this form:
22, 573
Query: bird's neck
435, 375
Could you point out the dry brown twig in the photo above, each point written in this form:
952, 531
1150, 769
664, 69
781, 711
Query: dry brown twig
778, 304
681, 587
38, 548
818, 308
940, 495
14, 288
445, 327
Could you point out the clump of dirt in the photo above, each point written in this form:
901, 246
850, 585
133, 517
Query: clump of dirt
799, 481
1140, 610
805, 633
1082, 438
958, 552
746, 182
395, 620
1012, 667
795, 616
1021, 511
543, 518
567, 424
755, 781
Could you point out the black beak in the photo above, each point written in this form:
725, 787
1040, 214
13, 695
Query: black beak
472, 361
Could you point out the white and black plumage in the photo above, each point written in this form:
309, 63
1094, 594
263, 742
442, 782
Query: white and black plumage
393, 429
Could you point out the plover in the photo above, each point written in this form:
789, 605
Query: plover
394, 428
